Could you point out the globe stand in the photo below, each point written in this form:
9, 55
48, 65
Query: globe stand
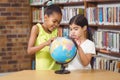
62, 71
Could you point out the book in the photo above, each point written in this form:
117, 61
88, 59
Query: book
65, 32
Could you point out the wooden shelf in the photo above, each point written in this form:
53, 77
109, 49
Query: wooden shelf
102, 51
80, 3
62, 4
71, 3
115, 27
36, 5
103, 1
64, 24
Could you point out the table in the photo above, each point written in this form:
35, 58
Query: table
50, 75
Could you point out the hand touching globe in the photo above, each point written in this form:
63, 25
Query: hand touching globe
62, 50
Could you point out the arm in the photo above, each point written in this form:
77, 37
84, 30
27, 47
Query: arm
32, 49
84, 58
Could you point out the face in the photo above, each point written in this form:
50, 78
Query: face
76, 32
52, 21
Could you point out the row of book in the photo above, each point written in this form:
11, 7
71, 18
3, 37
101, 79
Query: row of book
68, 13
36, 2
104, 63
107, 40
37, 14
104, 14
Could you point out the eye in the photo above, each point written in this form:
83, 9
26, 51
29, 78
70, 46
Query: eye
70, 29
54, 21
75, 28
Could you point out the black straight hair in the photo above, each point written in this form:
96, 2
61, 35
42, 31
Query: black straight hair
81, 21
52, 8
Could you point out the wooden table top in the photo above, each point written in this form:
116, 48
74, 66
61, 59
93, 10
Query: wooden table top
51, 75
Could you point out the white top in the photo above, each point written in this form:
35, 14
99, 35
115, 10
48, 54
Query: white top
88, 47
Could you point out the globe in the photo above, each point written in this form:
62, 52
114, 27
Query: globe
62, 50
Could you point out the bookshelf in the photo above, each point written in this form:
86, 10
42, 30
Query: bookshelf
110, 27
95, 24
105, 23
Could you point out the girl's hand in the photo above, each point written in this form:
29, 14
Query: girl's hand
78, 42
75, 39
50, 41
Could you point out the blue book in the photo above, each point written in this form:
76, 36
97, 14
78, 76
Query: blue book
100, 15
65, 32
33, 65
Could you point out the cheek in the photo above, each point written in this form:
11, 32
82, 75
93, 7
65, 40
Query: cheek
78, 34
73, 32
50, 24
47, 23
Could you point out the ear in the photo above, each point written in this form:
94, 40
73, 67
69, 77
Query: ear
85, 28
45, 17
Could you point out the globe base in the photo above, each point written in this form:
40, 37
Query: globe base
62, 72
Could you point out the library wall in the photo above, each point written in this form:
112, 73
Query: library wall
104, 22
14, 34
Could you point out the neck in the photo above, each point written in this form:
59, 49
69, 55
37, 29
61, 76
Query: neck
83, 39
45, 28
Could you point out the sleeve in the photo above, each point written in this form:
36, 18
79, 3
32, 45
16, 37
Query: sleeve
89, 47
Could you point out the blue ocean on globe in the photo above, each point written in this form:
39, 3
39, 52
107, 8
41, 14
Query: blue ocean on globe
62, 50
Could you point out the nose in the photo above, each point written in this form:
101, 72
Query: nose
56, 24
72, 32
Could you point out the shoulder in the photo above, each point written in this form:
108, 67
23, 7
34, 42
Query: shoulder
38, 25
88, 46
35, 29
88, 43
